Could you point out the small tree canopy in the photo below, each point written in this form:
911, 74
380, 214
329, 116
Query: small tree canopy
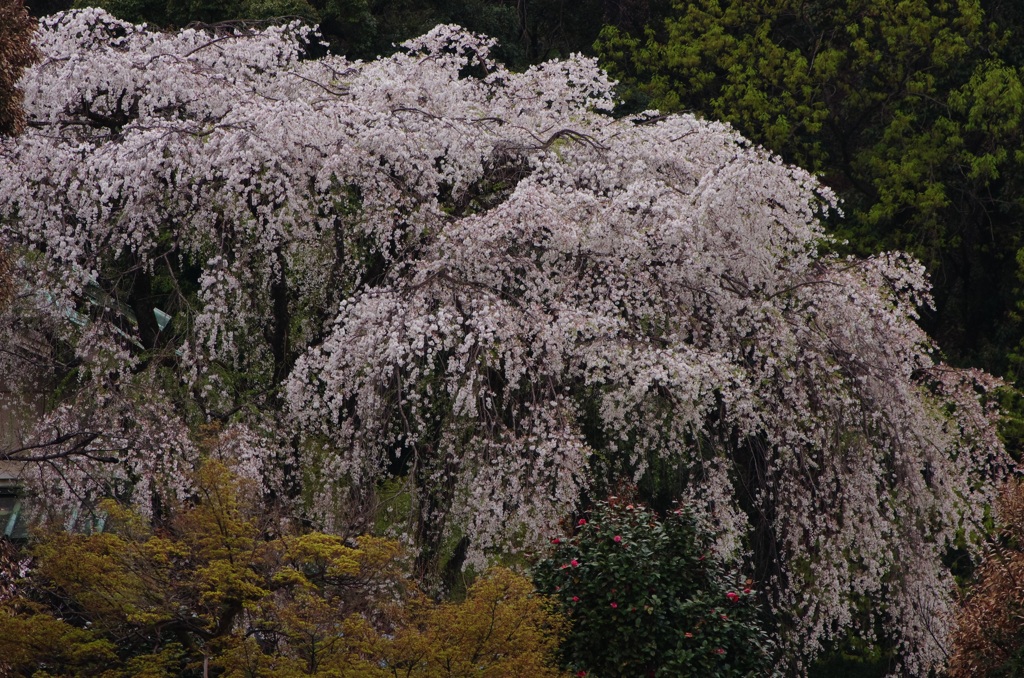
220, 584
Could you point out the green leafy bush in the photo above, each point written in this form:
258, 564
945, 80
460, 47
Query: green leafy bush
649, 597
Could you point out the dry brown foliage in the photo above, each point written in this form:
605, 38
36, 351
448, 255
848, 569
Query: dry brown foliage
16, 52
989, 638
6, 278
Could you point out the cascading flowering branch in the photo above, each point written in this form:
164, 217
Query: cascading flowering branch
428, 267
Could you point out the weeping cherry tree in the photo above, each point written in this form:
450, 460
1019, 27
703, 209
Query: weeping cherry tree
477, 289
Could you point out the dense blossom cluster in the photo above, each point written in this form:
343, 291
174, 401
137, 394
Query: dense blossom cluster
431, 268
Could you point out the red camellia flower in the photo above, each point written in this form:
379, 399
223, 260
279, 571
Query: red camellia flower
581, 673
616, 539
583, 521
719, 650
614, 604
747, 591
574, 562
556, 540
575, 599
732, 596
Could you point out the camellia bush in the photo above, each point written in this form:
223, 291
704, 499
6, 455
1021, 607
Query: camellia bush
477, 289
649, 597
